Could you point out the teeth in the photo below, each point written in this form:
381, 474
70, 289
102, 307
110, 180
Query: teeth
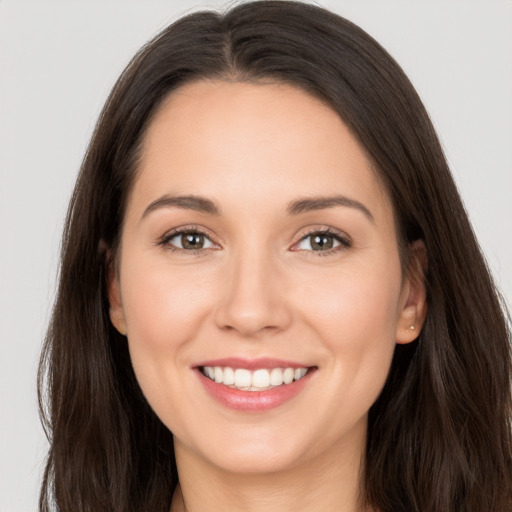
288, 375
276, 377
258, 380
228, 376
297, 374
242, 378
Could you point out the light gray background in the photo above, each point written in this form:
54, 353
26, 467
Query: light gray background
58, 61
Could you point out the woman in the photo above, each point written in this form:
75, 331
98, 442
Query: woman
270, 294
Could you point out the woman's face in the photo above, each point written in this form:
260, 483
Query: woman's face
258, 246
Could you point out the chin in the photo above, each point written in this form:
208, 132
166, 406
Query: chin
258, 460
257, 450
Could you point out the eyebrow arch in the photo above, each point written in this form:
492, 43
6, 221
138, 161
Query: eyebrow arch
199, 204
308, 204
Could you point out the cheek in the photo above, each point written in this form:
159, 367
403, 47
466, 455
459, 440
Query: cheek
355, 315
358, 301
164, 310
354, 318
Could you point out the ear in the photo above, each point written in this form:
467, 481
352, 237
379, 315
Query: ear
116, 311
413, 300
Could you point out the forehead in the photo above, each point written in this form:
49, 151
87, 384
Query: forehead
249, 141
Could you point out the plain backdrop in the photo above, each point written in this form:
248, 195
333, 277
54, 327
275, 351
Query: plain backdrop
58, 61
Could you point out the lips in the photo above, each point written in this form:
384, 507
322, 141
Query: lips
253, 385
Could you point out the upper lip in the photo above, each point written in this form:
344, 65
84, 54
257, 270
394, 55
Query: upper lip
251, 364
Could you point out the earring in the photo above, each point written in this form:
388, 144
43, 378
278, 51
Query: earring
411, 328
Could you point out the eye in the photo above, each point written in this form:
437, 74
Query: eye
322, 241
188, 240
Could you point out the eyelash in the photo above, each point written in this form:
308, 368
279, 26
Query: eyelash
344, 242
164, 241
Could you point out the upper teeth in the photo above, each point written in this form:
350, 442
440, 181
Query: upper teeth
256, 380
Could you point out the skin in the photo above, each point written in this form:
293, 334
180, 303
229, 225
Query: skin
257, 289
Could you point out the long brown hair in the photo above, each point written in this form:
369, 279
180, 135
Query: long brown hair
439, 435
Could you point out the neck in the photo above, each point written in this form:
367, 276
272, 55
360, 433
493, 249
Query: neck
329, 482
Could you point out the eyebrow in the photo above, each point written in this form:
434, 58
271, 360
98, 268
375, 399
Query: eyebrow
308, 204
196, 203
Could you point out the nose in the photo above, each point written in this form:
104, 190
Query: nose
254, 298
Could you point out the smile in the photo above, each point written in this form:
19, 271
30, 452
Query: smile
253, 385
258, 380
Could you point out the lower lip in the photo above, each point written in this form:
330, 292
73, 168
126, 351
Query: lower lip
253, 401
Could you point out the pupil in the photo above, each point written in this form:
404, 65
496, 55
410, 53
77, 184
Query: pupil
192, 241
321, 242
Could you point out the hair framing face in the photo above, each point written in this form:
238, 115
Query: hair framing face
449, 391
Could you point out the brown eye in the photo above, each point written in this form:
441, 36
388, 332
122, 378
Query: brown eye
322, 241
192, 241
189, 241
